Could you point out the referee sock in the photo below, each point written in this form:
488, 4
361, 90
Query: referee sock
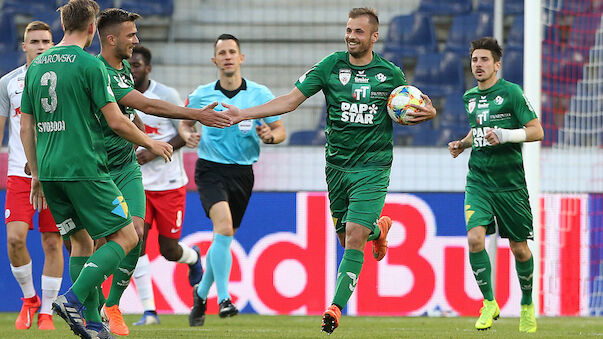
221, 261
480, 264
208, 276
525, 272
91, 303
122, 276
97, 269
347, 276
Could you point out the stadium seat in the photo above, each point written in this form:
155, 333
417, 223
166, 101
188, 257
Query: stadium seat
424, 134
308, 138
10, 60
29, 7
53, 19
450, 7
439, 74
513, 65
466, 28
410, 35
149, 7
511, 7
453, 113
8, 33
515, 37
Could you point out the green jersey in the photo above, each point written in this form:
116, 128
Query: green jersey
358, 129
503, 105
119, 150
64, 89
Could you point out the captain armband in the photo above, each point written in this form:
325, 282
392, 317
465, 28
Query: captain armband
510, 135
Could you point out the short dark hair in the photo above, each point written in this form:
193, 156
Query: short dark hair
77, 14
144, 52
488, 43
111, 17
36, 26
227, 36
370, 12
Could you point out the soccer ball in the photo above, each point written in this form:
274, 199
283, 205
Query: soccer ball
400, 100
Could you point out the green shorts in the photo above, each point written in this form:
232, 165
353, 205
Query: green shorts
357, 195
96, 206
510, 210
129, 182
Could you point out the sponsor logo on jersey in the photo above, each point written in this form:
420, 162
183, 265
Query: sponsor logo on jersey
471, 105
381, 77
52, 58
358, 113
122, 207
500, 116
479, 136
499, 100
151, 130
361, 92
482, 117
361, 78
345, 74
379, 95
17, 111
483, 103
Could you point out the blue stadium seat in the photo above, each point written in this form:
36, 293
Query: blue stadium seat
515, 37
308, 137
466, 28
8, 33
149, 7
450, 7
410, 35
439, 74
424, 134
28, 7
53, 19
513, 65
10, 60
453, 113
510, 6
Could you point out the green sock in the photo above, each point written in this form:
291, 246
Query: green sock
91, 303
97, 269
122, 276
376, 233
480, 264
347, 276
525, 272
101, 296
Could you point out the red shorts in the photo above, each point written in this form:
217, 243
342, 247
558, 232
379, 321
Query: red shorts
166, 209
18, 208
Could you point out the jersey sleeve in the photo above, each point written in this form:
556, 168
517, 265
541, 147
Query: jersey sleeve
264, 96
120, 88
4, 98
399, 77
99, 83
196, 99
522, 107
315, 78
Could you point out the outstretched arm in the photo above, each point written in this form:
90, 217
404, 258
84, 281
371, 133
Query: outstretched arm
532, 132
279, 105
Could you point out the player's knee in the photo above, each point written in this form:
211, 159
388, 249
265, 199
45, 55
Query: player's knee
15, 242
521, 252
476, 242
51, 243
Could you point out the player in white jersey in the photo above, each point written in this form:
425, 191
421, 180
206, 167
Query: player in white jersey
19, 211
164, 183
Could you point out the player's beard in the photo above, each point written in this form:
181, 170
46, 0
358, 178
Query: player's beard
361, 51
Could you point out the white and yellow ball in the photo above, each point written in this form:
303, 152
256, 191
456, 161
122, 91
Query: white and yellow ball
398, 104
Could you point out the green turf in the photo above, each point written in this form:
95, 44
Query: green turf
255, 326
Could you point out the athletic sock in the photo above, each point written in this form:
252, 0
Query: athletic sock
347, 276
208, 276
221, 261
91, 302
375, 235
97, 269
122, 275
189, 255
144, 285
50, 291
480, 264
525, 272
25, 279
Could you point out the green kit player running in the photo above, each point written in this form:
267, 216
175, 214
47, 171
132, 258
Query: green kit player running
501, 119
359, 149
65, 88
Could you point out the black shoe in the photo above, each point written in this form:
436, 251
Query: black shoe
197, 315
227, 309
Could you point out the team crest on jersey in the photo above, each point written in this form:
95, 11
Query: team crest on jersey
120, 81
498, 100
345, 74
471, 105
381, 77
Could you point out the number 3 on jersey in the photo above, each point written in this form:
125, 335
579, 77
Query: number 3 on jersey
49, 105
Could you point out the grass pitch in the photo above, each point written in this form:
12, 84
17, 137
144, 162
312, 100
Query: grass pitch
265, 327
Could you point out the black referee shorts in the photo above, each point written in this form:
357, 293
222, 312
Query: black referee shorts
224, 182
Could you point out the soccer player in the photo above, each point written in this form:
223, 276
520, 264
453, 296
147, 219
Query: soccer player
224, 173
64, 89
501, 119
164, 183
117, 31
356, 85
18, 211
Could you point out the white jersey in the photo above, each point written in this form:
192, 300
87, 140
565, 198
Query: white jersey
11, 88
158, 175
